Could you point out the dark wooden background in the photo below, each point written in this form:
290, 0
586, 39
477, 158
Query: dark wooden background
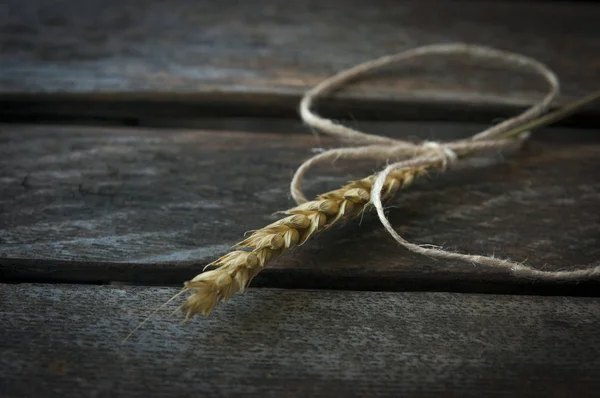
141, 139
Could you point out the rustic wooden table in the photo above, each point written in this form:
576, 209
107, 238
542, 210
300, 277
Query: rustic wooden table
141, 139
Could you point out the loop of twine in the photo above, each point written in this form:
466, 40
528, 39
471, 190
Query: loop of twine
407, 154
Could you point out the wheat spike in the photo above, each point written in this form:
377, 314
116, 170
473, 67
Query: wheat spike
236, 269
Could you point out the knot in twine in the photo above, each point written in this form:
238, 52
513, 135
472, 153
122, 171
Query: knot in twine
405, 154
444, 152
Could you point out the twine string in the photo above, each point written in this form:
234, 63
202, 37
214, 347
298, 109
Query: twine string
406, 154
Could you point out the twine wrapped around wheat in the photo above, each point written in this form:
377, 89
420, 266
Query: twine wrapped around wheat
234, 271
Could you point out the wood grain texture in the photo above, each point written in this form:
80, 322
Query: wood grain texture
155, 206
186, 57
64, 341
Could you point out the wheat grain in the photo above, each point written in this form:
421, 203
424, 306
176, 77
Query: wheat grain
236, 269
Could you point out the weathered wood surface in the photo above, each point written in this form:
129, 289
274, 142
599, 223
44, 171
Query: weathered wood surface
155, 206
64, 341
135, 59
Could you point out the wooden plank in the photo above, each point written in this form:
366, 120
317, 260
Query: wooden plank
130, 60
64, 341
155, 206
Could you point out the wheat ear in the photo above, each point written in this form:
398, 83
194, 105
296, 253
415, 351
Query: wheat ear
236, 269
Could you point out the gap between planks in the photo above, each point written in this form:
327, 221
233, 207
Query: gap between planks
200, 110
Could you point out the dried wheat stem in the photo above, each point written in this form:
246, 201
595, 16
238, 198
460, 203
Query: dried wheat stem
236, 269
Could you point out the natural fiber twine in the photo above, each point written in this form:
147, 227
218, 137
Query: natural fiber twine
408, 155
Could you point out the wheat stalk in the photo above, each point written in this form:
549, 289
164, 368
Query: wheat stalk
236, 269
